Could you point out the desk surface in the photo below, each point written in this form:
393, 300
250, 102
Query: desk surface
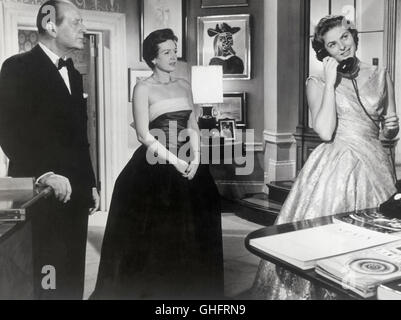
310, 275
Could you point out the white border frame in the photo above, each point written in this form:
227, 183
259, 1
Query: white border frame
243, 109
397, 84
233, 122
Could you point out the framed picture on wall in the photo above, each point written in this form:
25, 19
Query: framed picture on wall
161, 14
233, 107
223, 3
227, 129
226, 41
133, 77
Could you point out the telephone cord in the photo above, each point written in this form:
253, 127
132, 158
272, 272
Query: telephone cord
355, 84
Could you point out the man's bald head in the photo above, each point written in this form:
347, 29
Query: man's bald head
51, 11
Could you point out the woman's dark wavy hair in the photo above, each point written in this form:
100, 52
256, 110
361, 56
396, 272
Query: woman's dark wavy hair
325, 25
151, 44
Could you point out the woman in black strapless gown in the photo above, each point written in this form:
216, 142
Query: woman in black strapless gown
163, 236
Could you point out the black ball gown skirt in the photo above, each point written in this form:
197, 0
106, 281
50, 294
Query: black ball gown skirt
163, 238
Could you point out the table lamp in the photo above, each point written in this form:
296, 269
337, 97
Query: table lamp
207, 89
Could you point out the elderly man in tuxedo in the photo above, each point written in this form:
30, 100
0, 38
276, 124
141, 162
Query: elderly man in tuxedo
43, 132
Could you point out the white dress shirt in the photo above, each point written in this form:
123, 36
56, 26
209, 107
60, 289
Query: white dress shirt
55, 58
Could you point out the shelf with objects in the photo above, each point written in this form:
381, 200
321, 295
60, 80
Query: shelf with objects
221, 145
218, 136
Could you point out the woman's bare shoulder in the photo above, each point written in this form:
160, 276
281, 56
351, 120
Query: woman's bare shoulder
142, 87
146, 82
315, 81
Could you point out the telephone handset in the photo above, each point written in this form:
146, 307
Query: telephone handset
347, 68
392, 207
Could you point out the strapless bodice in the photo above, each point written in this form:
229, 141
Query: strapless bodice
168, 105
168, 119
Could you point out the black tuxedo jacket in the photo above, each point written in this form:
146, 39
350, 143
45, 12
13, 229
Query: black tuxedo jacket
42, 126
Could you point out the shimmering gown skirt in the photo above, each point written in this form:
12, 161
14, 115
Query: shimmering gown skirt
350, 173
163, 238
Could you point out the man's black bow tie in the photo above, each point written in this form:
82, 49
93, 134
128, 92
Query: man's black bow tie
69, 64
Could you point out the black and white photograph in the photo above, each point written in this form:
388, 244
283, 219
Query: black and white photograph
227, 129
233, 107
206, 156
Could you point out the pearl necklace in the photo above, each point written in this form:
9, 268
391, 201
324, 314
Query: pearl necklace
161, 82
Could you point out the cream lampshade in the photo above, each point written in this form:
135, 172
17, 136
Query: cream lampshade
207, 89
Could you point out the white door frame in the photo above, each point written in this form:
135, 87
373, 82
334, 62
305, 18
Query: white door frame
113, 100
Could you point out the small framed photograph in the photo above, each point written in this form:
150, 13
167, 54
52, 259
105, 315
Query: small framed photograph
226, 41
233, 107
223, 3
133, 77
227, 129
162, 14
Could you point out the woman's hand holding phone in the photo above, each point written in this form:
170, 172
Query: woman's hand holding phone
330, 70
391, 122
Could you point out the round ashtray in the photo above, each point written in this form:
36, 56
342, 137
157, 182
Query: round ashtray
373, 266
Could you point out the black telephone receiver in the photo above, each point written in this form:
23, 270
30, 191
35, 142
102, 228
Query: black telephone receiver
392, 207
347, 68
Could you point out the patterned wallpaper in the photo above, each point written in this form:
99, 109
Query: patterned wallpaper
98, 5
27, 39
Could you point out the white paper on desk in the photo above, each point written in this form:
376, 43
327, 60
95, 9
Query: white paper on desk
304, 247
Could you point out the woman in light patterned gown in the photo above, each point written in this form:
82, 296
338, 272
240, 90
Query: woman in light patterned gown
163, 236
350, 170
